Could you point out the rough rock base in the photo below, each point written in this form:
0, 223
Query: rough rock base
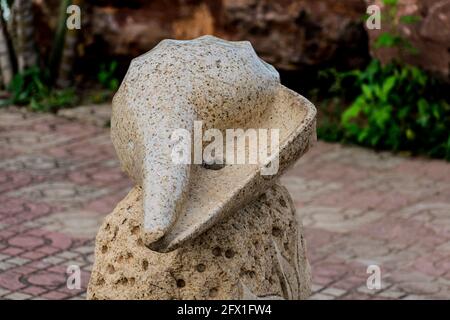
258, 252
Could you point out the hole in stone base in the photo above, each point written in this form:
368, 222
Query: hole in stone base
276, 232
111, 269
217, 251
180, 283
213, 292
229, 253
135, 230
201, 267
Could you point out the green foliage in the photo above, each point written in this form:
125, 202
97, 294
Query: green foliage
107, 76
329, 127
393, 106
393, 38
30, 88
398, 108
409, 19
108, 79
54, 100
388, 40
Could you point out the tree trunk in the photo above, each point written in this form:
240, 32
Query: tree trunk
6, 66
25, 47
68, 54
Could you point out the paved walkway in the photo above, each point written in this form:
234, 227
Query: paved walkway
59, 178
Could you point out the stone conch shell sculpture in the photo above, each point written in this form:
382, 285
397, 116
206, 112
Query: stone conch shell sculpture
204, 231
225, 85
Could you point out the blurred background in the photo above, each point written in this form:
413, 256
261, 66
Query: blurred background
374, 190
322, 49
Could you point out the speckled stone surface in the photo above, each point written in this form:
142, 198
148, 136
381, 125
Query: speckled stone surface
257, 252
224, 84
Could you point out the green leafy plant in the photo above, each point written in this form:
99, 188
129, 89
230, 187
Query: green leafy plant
30, 88
393, 106
108, 79
34, 78
107, 76
398, 108
392, 38
54, 100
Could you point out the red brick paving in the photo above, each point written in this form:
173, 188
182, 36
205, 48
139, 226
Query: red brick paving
59, 178
360, 208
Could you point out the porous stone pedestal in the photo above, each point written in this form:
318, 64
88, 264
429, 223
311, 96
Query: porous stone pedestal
257, 252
